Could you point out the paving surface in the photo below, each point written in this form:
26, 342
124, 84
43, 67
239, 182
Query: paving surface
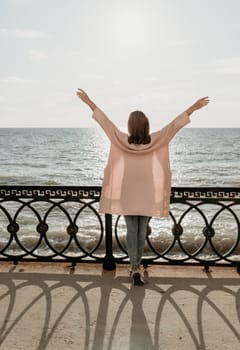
50, 306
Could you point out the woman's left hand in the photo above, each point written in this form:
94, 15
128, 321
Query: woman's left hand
83, 95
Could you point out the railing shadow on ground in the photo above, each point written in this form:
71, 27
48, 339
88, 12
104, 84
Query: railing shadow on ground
81, 311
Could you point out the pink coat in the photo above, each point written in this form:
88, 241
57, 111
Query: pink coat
137, 178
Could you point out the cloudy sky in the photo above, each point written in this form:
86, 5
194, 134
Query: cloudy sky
155, 55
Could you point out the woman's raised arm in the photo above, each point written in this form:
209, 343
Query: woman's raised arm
197, 105
98, 115
85, 98
168, 132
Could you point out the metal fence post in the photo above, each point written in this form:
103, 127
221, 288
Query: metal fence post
109, 263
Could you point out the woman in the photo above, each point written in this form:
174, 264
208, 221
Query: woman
137, 178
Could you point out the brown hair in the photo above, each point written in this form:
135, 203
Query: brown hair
138, 128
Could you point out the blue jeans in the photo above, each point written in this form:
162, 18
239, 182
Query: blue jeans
136, 235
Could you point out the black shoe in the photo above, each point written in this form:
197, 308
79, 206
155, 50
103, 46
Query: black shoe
137, 279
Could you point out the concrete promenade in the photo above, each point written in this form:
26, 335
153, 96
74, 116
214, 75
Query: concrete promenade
50, 306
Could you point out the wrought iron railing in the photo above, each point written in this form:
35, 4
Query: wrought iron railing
62, 224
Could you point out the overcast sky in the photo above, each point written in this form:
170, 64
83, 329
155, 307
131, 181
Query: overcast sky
155, 55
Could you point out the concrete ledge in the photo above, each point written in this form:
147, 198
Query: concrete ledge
50, 306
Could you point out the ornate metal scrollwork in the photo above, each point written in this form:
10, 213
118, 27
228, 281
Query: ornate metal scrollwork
208, 232
182, 244
42, 228
177, 230
72, 229
13, 228
82, 241
35, 211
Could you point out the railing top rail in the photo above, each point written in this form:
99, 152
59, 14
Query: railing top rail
94, 192
13, 192
205, 193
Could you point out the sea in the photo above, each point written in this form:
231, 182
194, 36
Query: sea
77, 157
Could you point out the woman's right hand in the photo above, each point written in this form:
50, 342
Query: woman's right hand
201, 102
197, 105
